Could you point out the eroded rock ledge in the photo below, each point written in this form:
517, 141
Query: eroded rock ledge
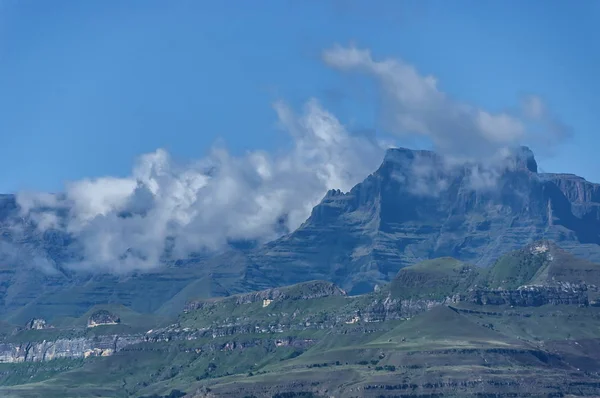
381, 308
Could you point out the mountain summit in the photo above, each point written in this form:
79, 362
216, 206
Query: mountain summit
419, 205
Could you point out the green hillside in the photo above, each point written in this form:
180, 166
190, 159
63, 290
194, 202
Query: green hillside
434, 279
540, 263
313, 340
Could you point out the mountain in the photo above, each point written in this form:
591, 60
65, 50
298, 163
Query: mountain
525, 326
415, 207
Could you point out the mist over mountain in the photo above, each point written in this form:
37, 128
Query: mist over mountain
231, 223
119, 225
315, 199
168, 210
417, 205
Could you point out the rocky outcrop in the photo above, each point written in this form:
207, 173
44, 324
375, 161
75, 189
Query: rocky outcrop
81, 347
531, 296
301, 291
388, 308
85, 347
102, 317
37, 324
359, 311
576, 189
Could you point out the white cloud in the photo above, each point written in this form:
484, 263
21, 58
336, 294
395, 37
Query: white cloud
123, 224
414, 105
30, 200
92, 198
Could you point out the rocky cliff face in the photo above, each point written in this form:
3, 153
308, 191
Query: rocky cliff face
388, 308
302, 291
80, 347
531, 296
364, 312
37, 324
415, 207
102, 317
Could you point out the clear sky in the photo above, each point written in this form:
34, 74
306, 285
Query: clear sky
87, 86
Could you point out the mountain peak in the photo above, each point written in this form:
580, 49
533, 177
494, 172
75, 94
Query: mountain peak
521, 157
525, 158
405, 156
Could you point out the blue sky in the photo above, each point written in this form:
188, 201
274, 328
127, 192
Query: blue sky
87, 86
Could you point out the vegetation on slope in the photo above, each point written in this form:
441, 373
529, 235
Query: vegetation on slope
540, 263
433, 279
313, 339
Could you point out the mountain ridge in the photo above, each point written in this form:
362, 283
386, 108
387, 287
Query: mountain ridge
415, 206
363, 237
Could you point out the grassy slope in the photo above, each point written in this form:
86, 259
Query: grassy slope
503, 344
539, 263
355, 357
429, 339
433, 279
443, 327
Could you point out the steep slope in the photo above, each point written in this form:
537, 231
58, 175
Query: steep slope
415, 207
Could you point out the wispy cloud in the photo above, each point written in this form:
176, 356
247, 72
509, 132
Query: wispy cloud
414, 105
471, 140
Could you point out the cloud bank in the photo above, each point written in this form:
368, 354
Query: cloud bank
125, 224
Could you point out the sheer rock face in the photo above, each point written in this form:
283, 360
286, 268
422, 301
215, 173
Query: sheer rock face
80, 347
416, 206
